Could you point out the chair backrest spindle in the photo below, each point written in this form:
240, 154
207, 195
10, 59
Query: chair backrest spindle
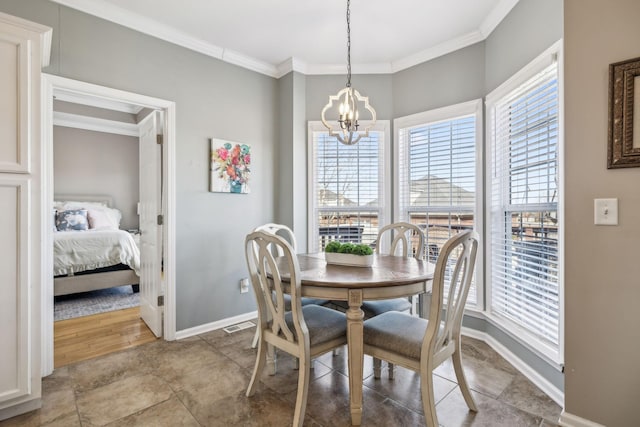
402, 236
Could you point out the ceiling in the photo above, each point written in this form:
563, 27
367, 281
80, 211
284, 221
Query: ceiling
276, 36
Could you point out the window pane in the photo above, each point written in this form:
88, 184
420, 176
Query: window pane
524, 223
348, 189
437, 183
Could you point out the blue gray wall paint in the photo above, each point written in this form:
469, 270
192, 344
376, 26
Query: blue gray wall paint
447, 80
291, 158
530, 28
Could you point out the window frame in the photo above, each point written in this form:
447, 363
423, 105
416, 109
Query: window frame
384, 210
539, 347
430, 117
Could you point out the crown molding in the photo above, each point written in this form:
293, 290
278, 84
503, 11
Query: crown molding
95, 124
164, 32
291, 64
327, 69
244, 61
140, 23
437, 51
496, 16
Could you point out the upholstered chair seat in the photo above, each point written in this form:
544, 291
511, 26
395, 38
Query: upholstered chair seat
324, 324
376, 308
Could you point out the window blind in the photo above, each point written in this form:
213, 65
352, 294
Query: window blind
348, 189
437, 181
524, 207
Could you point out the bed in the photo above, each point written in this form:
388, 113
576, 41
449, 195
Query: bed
90, 251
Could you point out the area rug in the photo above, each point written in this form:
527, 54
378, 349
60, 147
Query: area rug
88, 303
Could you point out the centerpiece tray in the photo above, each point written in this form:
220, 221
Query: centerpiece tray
349, 259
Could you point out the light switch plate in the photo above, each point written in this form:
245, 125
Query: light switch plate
605, 211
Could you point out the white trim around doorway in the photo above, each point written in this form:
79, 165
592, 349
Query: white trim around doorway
50, 83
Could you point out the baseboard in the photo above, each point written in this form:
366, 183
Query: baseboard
570, 420
542, 383
208, 327
20, 408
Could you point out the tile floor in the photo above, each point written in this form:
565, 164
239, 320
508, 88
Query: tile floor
201, 381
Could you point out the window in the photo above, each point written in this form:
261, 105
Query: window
523, 196
348, 187
439, 162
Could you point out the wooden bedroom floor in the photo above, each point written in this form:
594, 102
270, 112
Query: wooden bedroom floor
87, 337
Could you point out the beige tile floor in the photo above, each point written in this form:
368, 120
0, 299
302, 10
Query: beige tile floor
201, 381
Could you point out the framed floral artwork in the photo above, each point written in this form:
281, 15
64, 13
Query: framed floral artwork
230, 167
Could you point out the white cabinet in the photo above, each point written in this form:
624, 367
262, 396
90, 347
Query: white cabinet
24, 49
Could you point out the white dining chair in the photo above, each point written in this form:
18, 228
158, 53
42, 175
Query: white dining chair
285, 232
423, 344
305, 332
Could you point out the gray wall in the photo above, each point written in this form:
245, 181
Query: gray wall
87, 162
602, 272
213, 99
447, 80
291, 161
530, 28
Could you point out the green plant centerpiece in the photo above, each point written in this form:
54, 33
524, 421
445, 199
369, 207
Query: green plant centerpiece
358, 255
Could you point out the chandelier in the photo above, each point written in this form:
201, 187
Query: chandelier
347, 99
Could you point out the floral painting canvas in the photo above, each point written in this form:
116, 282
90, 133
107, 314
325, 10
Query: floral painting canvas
230, 167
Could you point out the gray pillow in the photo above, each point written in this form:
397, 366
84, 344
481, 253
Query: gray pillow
74, 219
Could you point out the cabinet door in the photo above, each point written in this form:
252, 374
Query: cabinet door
15, 50
20, 214
14, 288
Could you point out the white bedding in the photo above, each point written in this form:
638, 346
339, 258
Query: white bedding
76, 251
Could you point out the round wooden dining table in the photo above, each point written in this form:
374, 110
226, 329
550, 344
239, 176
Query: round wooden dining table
388, 277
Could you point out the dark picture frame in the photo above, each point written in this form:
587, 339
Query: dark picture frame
624, 143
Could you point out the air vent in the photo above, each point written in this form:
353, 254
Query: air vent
238, 327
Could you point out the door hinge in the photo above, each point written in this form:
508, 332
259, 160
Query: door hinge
160, 300
160, 219
159, 139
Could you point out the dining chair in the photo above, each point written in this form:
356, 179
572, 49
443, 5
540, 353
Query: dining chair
402, 239
283, 231
423, 344
305, 332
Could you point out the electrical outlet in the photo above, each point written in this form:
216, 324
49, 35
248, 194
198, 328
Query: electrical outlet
244, 285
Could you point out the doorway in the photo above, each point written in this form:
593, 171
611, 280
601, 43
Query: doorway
158, 291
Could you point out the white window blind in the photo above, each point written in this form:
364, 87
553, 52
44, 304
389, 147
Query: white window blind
437, 177
524, 207
347, 189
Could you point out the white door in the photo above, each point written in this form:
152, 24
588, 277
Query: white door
151, 277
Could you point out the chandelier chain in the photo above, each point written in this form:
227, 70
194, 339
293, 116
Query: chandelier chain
348, 43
